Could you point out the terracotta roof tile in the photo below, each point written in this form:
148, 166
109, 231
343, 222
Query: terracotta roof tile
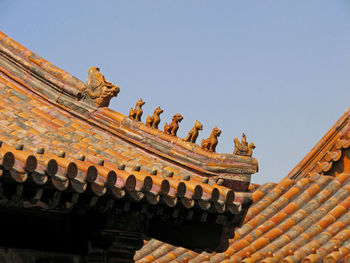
304, 217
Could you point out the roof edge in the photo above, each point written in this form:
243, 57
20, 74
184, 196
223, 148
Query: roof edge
340, 129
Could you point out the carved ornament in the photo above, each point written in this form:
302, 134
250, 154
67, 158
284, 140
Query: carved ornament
174, 125
98, 90
242, 147
210, 143
154, 120
193, 133
136, 113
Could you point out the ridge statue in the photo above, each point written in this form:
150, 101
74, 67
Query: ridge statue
210, 143
135, 114
174, 125
193, 133
98, 90
242, 147
154, 120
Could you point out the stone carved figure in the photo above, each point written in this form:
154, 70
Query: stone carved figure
210, 143
135, 114
242, 147
193, 134
174, 125
154, 120
98, 90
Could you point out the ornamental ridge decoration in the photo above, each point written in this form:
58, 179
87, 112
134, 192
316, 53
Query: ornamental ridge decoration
242, 147
98, 90
210, 143
154, 120
136, 113
174, 125
194, 132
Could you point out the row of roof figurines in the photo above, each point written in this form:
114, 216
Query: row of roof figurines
100, 91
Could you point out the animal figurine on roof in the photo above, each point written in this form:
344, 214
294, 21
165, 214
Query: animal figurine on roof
174, 125
135, 114
210, 143
98, 90
242, 147
193, 133
154, 120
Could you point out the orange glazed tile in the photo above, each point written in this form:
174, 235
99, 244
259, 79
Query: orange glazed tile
15, 87
251, 212
291, 192
31, 130
149, 258
346, 203
257, 195
152, 131
313, 190
306, 236
285, 183
266, 226
342, 177
278, 217
112, 114
14, 98
287, 224
171, 256
326, 221
58, 122
273, 233
337, 211
290, 208
2, 36
238, 245
3, 80
256, 221
260, 242
42, 114
278, 191
13, 44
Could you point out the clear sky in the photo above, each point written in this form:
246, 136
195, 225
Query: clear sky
277, 70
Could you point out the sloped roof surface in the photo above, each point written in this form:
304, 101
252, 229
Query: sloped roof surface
304, 218
52, 137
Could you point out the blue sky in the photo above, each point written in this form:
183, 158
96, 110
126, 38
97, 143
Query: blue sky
276, 70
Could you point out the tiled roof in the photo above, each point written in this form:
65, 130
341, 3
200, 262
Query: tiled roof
304, 218
52, 139
92, 150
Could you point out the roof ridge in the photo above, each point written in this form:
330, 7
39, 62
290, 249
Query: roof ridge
40, 65
67, 92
